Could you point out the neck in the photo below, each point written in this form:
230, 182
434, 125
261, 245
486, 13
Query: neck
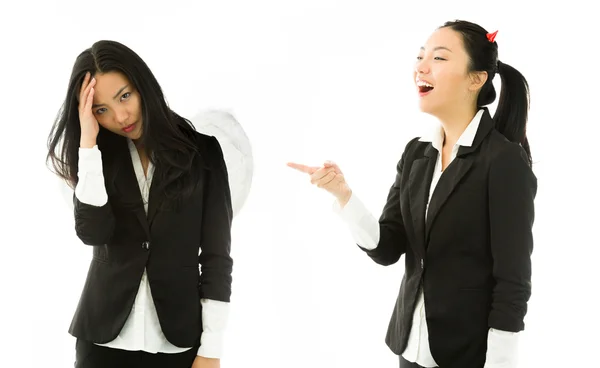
139, 146
454, 123
138, 143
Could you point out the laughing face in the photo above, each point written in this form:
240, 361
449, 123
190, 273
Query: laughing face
117, 105
441, 74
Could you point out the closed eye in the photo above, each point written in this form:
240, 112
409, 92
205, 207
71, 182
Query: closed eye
435, 58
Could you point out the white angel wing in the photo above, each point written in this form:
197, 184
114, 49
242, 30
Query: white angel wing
237, 151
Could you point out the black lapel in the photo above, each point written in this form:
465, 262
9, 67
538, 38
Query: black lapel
419, 181
456, 171
155, 198
128, 186
448, 181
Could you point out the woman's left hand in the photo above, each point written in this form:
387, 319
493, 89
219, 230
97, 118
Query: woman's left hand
202, 362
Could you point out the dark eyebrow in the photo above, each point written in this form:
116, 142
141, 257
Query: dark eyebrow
437, 48
115, 96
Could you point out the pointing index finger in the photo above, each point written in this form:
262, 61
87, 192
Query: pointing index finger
303, 168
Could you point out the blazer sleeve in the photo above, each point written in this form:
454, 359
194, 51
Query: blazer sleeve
512, 190
392, 235
94, 219
215, 261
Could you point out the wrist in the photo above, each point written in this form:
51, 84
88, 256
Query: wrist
87, 143
344, 197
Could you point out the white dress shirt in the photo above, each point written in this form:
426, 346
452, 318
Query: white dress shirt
502, 345
142, 329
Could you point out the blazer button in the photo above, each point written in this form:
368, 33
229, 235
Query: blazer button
146, 245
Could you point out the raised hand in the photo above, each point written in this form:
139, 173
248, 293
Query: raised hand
89, 124
328, 177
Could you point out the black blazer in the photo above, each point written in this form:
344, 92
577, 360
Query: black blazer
471, 254
166, 242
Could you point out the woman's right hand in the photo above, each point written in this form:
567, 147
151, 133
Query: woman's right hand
89, 124
329, 177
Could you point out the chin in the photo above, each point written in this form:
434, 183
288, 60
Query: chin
427, 108
136, 134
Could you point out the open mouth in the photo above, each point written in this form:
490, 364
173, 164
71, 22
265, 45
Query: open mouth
424, 87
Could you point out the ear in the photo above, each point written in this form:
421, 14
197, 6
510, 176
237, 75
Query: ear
478, 79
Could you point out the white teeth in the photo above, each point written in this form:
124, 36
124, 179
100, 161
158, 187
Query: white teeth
421, 83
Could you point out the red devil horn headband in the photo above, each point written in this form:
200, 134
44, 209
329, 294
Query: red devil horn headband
491, 36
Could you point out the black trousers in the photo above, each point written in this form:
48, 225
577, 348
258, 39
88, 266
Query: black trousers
406, 364
90, 355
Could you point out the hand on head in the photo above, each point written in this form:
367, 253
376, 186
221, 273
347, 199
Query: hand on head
89, 124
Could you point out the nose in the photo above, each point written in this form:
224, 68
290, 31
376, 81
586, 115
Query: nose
122, 116
422, 67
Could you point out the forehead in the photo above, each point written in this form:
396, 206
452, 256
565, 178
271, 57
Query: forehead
444, 37
109, 83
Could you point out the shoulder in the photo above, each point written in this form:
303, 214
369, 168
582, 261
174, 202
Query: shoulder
508, 161
209, 148
414, 145
205, 141
414, 148
501, 149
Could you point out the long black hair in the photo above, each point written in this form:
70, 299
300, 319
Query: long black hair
167, 137
510, 117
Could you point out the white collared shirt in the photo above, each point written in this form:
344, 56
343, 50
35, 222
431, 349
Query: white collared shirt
142, 329
502, 345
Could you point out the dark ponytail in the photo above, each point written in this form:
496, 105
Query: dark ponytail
513, 106
511, 114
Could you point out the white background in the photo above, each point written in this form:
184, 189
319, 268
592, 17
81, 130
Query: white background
308, 80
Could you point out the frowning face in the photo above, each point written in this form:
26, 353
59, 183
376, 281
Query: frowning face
117, 105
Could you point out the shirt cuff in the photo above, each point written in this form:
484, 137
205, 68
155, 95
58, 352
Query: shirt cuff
363, 226
215, 315
502, 351
90, 188
352, 212
90, 160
